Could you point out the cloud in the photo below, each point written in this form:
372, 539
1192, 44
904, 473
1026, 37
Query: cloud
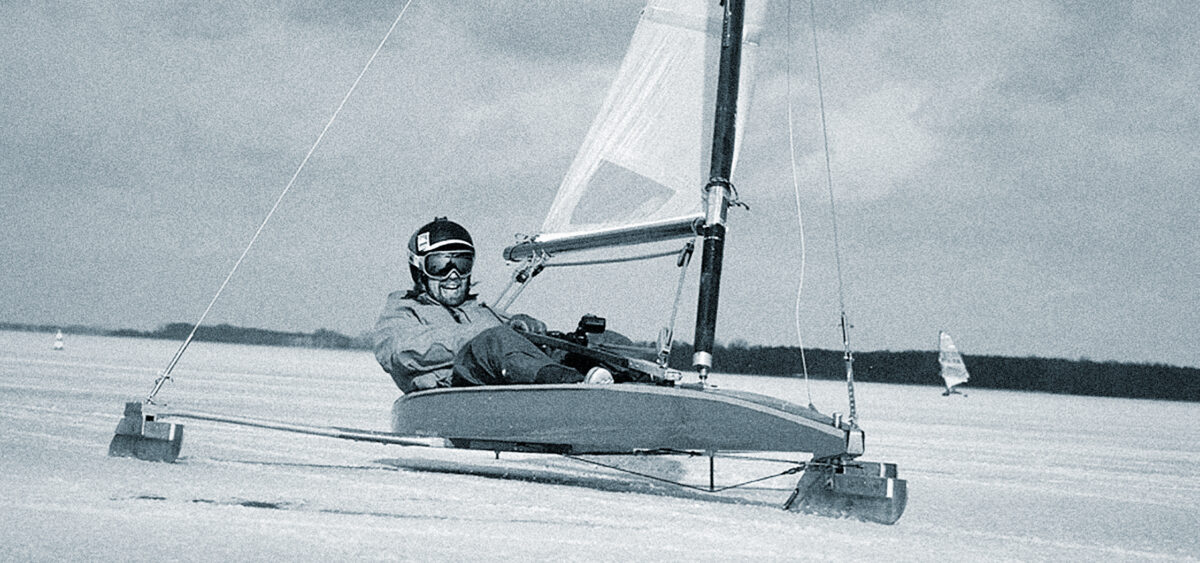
876, 143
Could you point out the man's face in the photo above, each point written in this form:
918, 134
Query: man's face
451, 290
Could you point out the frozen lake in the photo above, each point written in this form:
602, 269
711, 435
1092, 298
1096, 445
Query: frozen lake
994, 476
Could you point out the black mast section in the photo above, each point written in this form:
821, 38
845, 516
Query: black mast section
719, 187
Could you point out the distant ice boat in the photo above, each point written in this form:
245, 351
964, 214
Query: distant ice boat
954, 371
58, 341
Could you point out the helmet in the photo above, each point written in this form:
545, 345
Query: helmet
439, 234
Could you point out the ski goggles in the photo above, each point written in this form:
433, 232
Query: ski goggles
438, 265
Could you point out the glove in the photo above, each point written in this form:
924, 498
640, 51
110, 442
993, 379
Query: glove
426, 382
525, 323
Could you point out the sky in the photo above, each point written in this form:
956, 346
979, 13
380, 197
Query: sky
1023, 175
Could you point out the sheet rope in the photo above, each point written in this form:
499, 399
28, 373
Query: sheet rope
799, 212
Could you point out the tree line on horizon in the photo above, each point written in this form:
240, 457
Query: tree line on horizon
913, 367
230, 334
920, 367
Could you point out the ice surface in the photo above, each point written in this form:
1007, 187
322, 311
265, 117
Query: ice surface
992, 476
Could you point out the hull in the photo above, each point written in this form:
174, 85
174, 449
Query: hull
583, 419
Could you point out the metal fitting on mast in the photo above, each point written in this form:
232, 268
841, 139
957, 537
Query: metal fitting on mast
724, 137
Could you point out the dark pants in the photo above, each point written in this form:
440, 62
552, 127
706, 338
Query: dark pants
501, 356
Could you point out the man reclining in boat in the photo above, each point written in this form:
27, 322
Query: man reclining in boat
438, 334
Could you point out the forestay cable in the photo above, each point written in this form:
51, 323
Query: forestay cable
837, 253
166, 373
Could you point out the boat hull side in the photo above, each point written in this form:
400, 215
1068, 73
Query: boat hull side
582, 419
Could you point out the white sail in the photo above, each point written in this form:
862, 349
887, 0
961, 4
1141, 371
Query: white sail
645, 159
954, 371
58, 341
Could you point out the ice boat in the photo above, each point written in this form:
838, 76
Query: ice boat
652, 145
952, 368
664, 144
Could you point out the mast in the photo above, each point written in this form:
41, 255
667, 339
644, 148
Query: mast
719, 187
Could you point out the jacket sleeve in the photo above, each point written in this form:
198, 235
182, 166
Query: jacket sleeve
418, 352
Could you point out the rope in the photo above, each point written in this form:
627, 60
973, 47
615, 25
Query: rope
166, 373
799, 213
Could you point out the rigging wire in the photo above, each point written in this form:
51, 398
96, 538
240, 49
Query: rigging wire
828, 169
799, 213
615, 260
799, 466
849, 359
166, 373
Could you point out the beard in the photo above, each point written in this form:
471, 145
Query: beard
451, 292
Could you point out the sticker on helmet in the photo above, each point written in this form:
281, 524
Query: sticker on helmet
422, 242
